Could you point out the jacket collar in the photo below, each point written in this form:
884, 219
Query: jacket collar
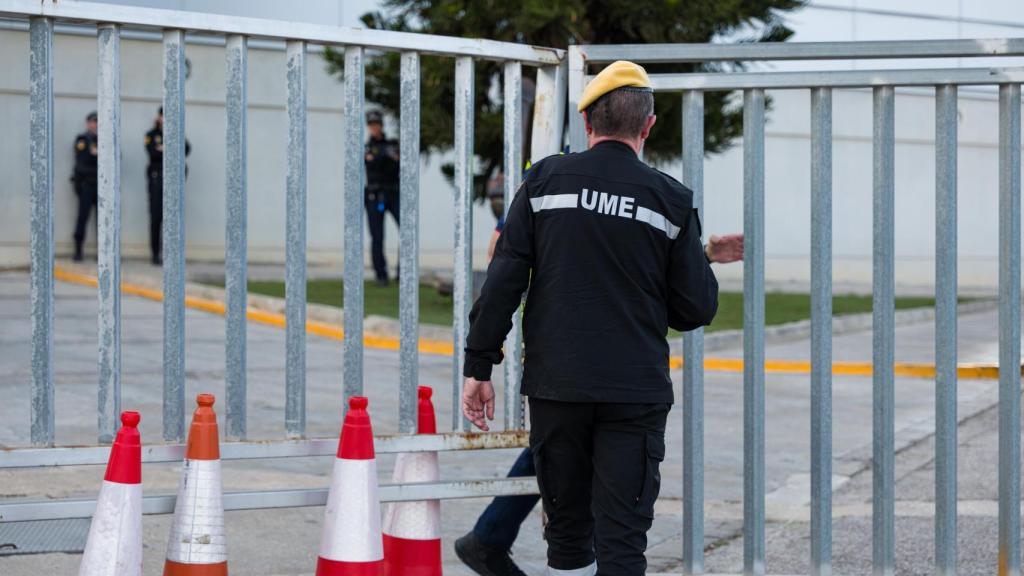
615, 147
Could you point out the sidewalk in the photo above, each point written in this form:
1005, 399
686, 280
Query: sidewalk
284, 542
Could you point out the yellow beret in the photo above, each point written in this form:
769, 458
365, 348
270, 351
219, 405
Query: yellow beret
619, 74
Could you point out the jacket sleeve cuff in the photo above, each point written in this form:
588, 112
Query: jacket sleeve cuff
477, 368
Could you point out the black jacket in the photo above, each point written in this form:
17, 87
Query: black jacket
85, 160
381, 157
155, 150
610, 251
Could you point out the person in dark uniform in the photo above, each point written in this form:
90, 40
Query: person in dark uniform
610, 251
155, 179
381, 189
84, 179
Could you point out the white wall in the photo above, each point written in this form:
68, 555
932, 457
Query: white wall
75, 96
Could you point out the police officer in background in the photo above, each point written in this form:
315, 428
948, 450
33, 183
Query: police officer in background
155, 179
610, 251
381, 189
84, 179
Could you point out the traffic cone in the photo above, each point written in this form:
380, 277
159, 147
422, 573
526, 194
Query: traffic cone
197, 545
412, 530
114, 547
351, 543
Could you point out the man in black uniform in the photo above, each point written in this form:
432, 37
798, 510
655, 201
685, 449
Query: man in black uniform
84, 179
610, 250
155, 180
381, 189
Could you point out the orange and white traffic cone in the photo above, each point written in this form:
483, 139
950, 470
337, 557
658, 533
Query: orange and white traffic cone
114, 547
351, 543
197, 545
412, 530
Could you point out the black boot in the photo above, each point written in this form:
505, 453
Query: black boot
78, 253
485, 560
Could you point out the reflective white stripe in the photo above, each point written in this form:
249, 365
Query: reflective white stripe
585, 571
197, 535
414, 520
352, 518
554, 201
115, 535
658, 221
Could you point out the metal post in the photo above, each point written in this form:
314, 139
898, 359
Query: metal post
174, 235
463, 293
821, 331
548, 112
753, 332
693, 357
352, 370
945, 329
577, 130
236, 235
1009, 330
409, 242
513, 156
295, 244
883, 335
41, 241
108, 216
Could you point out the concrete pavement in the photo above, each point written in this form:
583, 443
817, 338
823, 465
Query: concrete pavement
285, 541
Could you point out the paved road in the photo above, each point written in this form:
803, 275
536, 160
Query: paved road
284, 542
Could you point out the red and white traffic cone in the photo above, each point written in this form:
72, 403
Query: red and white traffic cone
114, 547
197, 545
351, 544
412, 530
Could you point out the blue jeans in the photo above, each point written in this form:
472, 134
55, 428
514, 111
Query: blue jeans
498, 526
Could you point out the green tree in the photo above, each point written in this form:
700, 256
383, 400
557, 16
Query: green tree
559, 23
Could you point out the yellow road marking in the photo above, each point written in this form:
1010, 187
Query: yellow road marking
443, 348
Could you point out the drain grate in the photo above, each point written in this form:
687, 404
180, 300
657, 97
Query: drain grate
43, 536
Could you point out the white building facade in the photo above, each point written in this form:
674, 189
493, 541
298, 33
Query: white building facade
787, 182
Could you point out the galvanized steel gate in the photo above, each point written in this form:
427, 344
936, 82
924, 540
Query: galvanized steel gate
552, 81
235, 33
821, 83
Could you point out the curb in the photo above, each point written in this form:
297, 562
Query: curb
382, 333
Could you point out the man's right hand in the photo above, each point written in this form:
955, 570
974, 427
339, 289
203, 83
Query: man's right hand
478, 402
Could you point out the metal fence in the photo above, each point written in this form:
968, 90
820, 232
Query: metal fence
693, 86
176, 27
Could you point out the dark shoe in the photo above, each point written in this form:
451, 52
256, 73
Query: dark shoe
485, 560
157, 261
382, 282
78, 254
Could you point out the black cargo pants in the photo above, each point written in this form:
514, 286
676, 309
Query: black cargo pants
598, 471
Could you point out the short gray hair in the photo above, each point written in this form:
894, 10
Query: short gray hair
622, 112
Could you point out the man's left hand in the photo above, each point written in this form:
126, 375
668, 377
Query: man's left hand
725, 249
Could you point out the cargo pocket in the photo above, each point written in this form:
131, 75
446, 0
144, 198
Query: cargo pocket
544, 479
655, 454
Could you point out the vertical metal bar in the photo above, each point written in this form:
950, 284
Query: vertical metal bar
883, 334
295, 244
352, 371
463, 272
108, 216
174, 235
693, 357
821, 331
753, 332
548, 112
41, 240
409, 242
945, 329
513, 160
1009, 329
236, 234
577, 130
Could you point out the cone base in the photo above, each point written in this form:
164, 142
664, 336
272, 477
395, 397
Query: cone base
408, 557
325, 567
172, 568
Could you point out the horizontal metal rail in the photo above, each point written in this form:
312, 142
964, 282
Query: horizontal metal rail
197, 22
681, 53
835, 79
91, 455
164, 504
